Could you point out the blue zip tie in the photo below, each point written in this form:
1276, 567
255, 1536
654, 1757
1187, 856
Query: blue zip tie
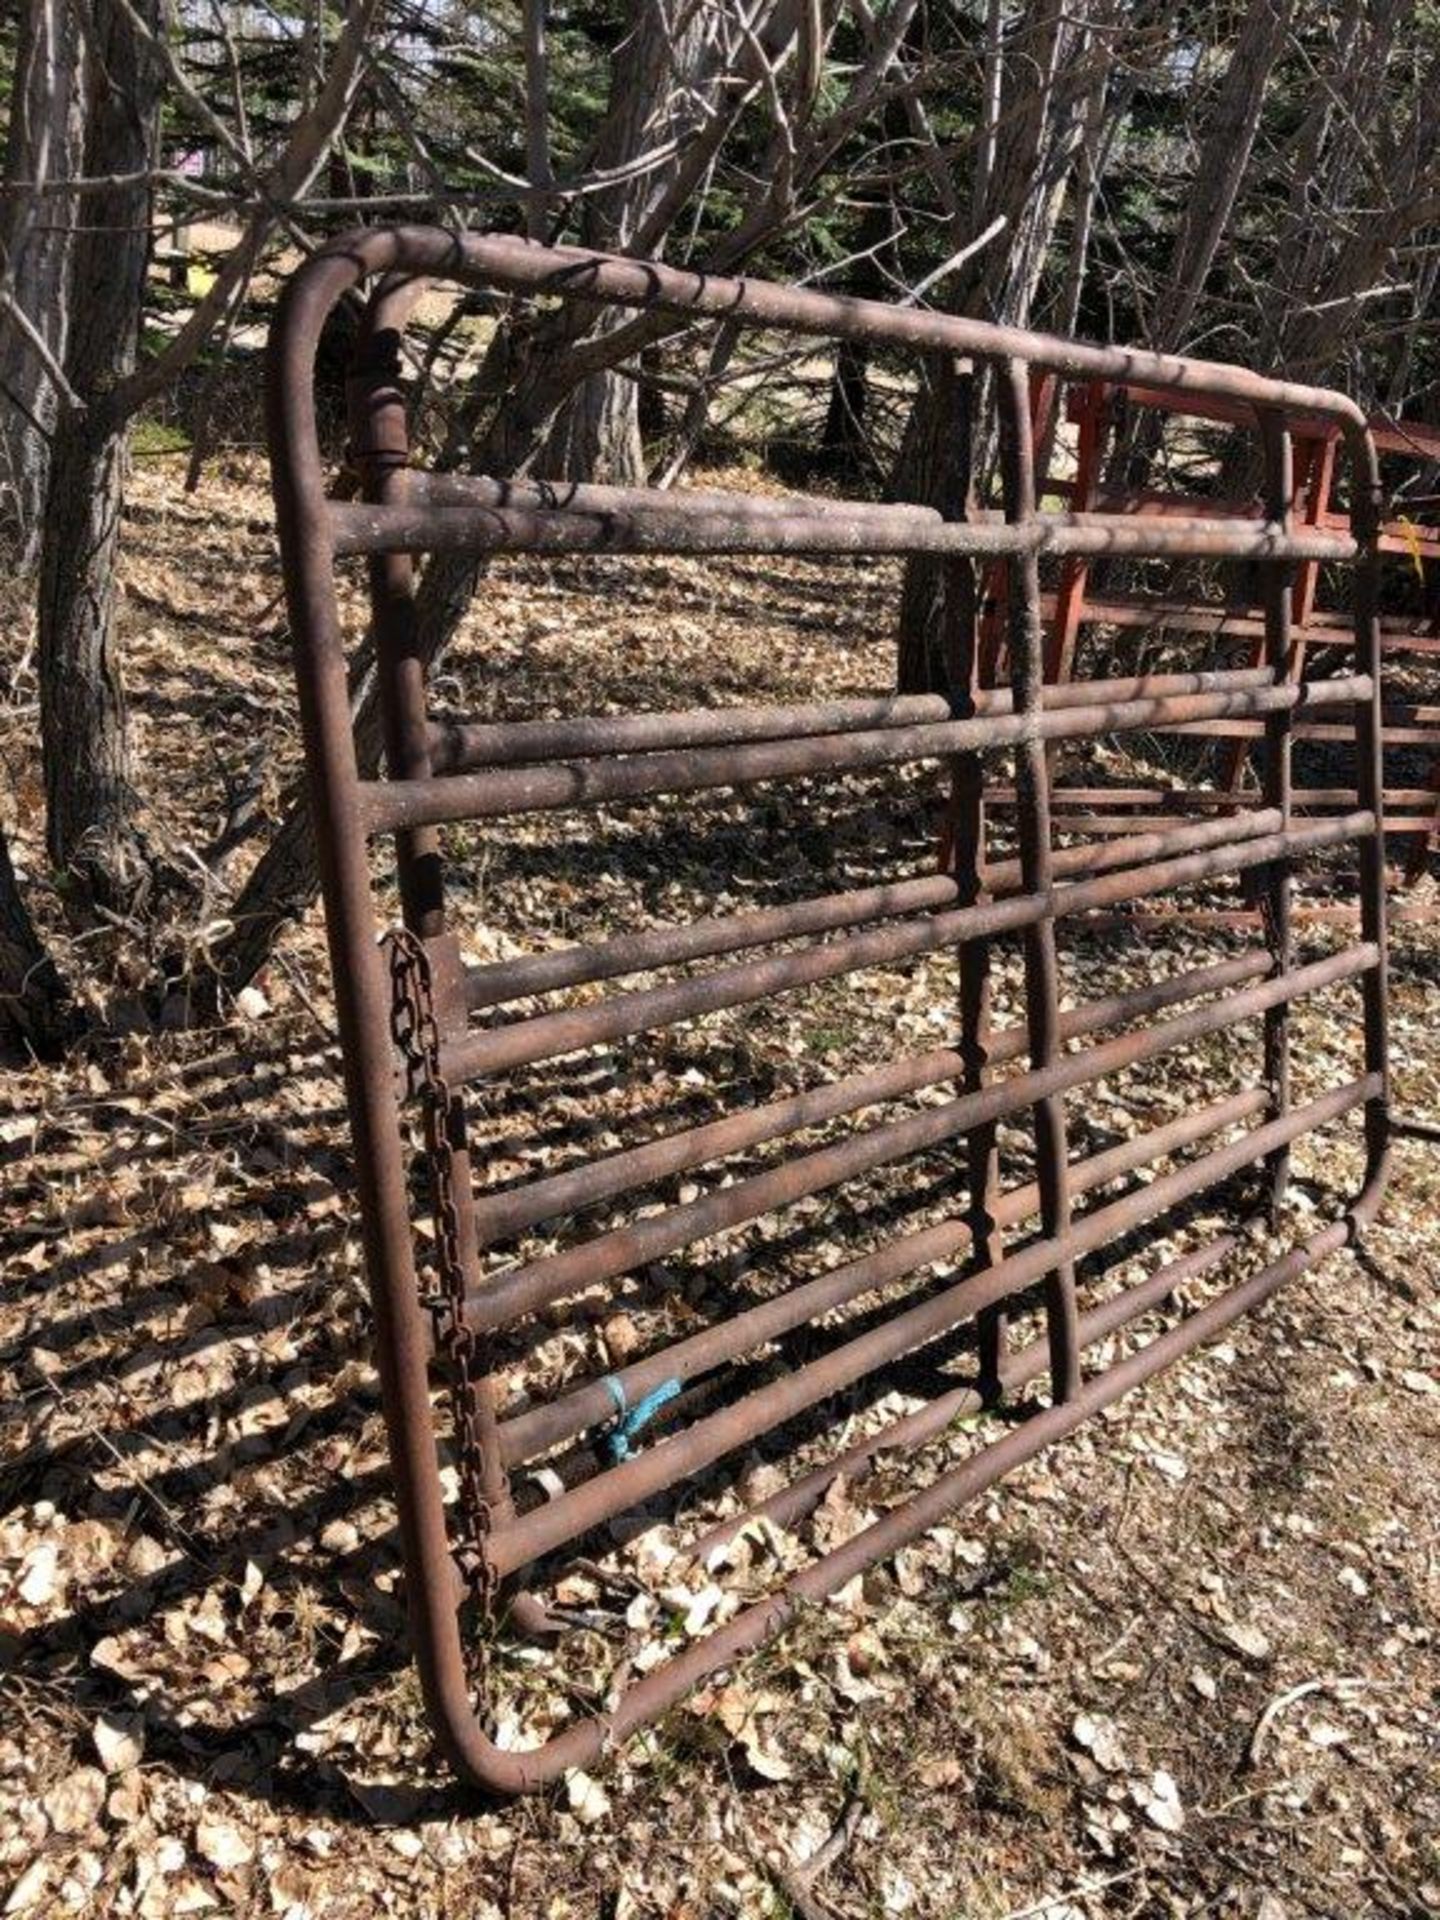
617, 1393
630, 1419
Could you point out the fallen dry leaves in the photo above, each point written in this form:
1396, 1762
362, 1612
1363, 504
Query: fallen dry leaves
1185, 1665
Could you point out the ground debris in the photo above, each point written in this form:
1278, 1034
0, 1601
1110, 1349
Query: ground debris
1185, 1665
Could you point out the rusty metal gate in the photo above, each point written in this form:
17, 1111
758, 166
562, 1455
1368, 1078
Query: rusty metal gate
502, 1486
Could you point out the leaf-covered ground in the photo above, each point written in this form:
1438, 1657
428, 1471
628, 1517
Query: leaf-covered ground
1185, 1664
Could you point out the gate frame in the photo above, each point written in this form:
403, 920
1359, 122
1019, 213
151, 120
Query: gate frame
347, 811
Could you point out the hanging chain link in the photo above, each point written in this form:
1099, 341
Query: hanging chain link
416, 1033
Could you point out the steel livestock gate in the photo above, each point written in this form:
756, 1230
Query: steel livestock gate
420, 1029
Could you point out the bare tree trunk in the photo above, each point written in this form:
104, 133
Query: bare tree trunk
844, 445
1309, 333
1083, 200
510, 424
35, 1004
530, 372
920, 666
90, 823
43, 146
658, 85
531, 376
1375, 191
90, 803
1220, 167
1024, 164
1222, 160
284, 881
1331, 157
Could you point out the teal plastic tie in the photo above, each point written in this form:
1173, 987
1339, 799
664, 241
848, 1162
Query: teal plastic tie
631, 1420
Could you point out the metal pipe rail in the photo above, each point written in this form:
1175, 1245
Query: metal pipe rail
505, 981
466, 746
454, 1320
504, 1215
571, 1515
885, 530
547, 1036
509, 1293
392, 806
1309, 483
537, 1430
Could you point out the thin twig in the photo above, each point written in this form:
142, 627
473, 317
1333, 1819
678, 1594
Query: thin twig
1039, 1909
40, 346
797, 1883
1344, 1685
922, 287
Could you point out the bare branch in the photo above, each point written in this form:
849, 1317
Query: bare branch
310, 140
40, 348
537, 115
917, 293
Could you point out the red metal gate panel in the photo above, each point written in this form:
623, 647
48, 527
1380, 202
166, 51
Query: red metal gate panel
422, 1031
1203, 631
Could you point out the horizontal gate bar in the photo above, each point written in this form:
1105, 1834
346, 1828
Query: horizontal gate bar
466, 490
664, 529
1182, 798
1104, 825
495, 261
538, 1429
503, 1297
1325, 628
1400, 734
525, 1538
549, 1035
1323, 913
1128, 824
582, 496
462, 746
500, 1216
1151, 840
501, 981
1121, 825
407, 804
